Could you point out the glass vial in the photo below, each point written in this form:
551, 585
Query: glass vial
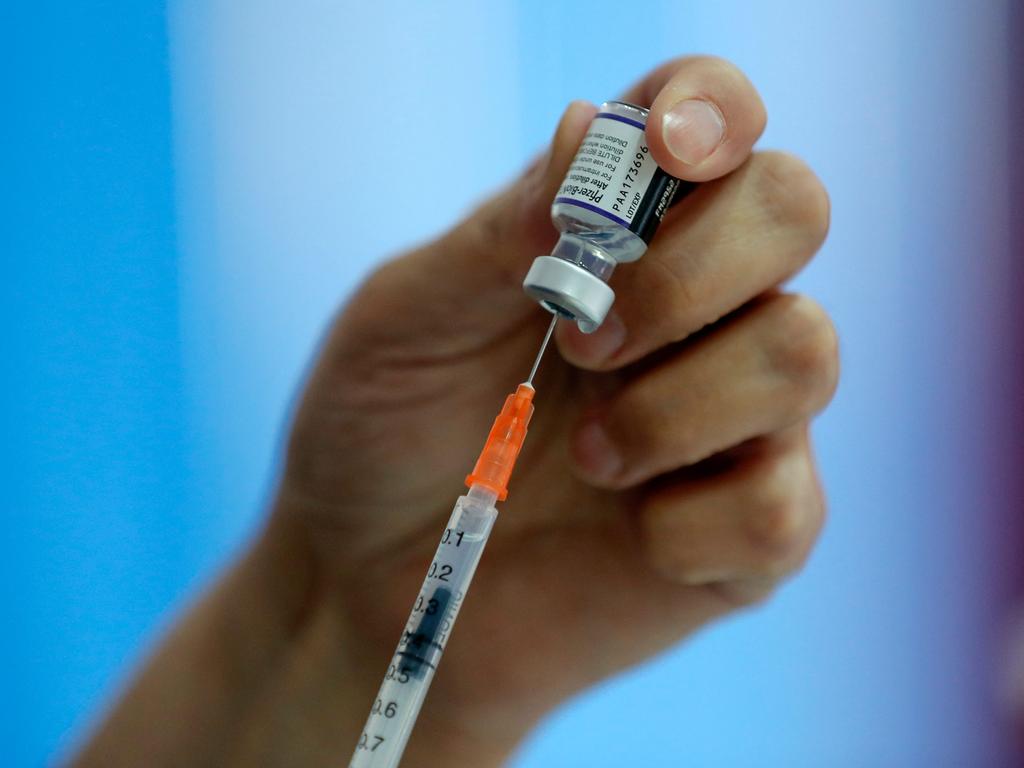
607, 210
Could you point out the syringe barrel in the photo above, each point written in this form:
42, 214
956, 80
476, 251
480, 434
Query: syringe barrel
426, 633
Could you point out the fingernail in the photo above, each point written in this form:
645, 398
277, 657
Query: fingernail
692, 130
598, 346
595, 454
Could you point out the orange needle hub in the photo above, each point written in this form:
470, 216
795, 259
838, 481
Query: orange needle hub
497, 459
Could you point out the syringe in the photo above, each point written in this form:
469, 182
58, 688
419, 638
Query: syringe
437, 605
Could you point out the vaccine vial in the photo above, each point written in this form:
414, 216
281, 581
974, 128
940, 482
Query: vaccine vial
607, 210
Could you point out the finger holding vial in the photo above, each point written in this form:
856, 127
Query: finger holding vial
740, 395
728, 242
770, 367
742, 530
628, 170
705, 116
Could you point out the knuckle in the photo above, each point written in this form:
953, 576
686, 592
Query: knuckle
779, 520
674, 545
711, 74
667, 551
792, 197
685, 68
777, 531
712, 66
745, 593
806, 350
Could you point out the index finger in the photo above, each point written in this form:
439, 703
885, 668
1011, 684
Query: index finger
705, 116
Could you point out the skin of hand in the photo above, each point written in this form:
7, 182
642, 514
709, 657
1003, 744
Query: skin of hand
667, 480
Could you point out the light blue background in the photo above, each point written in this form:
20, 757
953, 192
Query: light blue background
193, 192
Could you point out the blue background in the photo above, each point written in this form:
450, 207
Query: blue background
192, 190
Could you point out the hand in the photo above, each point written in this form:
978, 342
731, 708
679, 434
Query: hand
667, 478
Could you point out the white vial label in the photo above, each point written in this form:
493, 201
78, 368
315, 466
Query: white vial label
614, 175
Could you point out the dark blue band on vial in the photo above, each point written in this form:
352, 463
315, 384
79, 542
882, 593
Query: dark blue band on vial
620, 118
594, 208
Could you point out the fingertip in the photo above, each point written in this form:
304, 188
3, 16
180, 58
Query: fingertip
572, 127
592, 351
705, 120
580, 111
533, 193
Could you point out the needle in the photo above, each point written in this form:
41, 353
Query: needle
540, 354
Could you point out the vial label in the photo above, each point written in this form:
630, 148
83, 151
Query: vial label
614, 175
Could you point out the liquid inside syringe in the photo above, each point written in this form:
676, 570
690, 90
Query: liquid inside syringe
444, 588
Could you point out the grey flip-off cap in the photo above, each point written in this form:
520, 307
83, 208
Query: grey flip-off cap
569, 289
